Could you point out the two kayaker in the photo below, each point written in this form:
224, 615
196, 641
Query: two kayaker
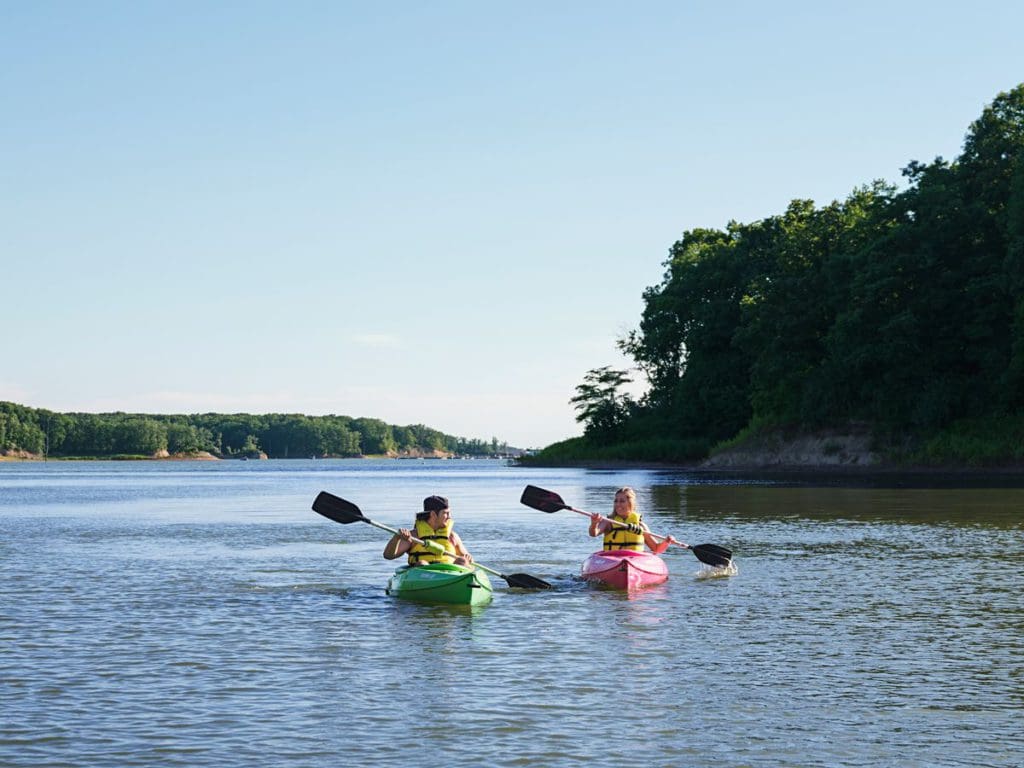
633, 533
435, 525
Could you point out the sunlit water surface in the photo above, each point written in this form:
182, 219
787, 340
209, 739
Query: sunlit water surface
200, 614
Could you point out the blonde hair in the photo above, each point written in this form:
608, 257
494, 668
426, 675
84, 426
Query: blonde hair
630, 494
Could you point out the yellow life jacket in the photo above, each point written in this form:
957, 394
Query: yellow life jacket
622, 538
420, 554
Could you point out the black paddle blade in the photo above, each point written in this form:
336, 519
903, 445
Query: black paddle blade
712, 554
526, 581
545, 501
337, 509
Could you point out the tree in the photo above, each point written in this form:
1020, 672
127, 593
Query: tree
685, 345
141, 436
599, 404
185, 438
236, 430
376, 437
338, 439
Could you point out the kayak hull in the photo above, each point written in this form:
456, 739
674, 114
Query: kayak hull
625, 569
440, 583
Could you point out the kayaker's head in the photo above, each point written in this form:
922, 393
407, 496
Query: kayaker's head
435, 511
625, 502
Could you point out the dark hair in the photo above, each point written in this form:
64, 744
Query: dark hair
435, 504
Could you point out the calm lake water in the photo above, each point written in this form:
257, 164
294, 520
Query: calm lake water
200, 614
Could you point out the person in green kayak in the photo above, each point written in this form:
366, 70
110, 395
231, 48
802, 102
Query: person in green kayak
635, 533
433, 524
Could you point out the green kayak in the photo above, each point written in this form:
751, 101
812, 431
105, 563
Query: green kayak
441, 583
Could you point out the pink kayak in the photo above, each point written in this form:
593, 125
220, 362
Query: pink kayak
625, 569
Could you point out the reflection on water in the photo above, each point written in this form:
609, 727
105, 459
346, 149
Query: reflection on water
206, 617
980, 506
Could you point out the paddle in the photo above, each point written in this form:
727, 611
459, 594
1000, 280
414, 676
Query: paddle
549, 501
341, 511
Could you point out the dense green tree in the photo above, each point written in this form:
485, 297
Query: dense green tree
699, 379
140, 436
338, 439
290, 436
20, 429
89, 435
187, 438
376, 437
405, 440
1013, 382
599, 404
791, 306
250, 448
237, 431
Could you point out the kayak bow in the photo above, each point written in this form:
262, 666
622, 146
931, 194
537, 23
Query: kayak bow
625, 569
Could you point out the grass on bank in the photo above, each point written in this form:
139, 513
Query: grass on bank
969, 444
662, 449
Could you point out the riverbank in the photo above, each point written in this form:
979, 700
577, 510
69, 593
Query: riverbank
851, 452
206, 456
159, 456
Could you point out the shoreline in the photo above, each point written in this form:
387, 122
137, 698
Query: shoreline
703, 468
824, 453
838, 470
782, 469
804, 475
204, 456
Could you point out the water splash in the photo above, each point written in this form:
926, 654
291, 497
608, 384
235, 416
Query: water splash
717, 572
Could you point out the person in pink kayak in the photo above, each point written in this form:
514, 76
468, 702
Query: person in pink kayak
434, 524
633, 534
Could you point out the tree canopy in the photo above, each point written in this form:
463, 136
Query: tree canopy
39, 431
902, 309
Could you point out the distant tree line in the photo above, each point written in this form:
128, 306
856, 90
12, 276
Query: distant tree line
40, 431
901, 310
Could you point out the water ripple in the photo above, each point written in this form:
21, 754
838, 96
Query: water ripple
863, 627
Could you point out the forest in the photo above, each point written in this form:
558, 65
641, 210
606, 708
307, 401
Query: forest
897, 310
87, 435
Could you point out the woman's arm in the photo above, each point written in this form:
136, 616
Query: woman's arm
598, 524
657, 547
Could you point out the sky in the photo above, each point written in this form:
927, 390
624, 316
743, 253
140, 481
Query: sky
437, 213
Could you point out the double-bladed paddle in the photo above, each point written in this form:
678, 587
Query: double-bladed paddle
549, 501
341, 511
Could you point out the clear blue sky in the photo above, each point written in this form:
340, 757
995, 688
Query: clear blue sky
440, 213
